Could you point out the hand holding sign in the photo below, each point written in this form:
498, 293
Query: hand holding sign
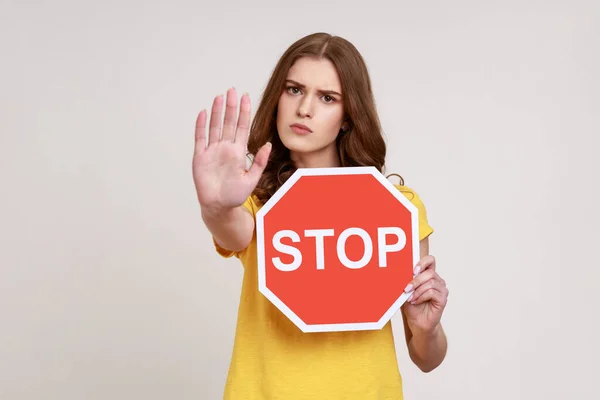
219, 165
426, 304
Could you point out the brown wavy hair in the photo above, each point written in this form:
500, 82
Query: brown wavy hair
361, 145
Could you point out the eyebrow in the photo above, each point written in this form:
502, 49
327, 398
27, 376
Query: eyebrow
320, 91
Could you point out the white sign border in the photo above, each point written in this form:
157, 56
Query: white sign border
262, 287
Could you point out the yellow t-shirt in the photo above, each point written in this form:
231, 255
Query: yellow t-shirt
274, 359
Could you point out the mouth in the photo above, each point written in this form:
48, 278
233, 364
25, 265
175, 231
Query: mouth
300, 129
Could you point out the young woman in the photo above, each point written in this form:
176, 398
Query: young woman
316, 111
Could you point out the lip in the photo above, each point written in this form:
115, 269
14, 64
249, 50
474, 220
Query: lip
301, 129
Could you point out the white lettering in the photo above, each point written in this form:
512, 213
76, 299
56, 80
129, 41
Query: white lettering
319, 234
384, 248
341, 248
284, 248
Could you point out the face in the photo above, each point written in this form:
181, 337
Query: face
312, 97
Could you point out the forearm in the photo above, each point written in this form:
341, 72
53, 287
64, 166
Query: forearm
428, 349
232, 228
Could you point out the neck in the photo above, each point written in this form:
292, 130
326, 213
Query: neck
323, 159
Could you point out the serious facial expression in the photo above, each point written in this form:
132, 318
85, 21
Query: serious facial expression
310, 109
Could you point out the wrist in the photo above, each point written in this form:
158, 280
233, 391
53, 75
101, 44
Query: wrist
427, 333
215, 212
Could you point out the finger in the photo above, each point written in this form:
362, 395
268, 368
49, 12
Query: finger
214, 133
427, 262
230, 115
432, 295
260, 162
430, 284
243, 127
420, 280
200, 135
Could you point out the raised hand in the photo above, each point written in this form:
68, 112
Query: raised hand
219, 165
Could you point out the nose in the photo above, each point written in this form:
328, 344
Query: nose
305, 108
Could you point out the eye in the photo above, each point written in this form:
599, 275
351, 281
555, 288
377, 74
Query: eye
329, 97
293, 89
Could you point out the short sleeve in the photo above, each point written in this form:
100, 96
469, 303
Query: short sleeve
425, 228
250, 205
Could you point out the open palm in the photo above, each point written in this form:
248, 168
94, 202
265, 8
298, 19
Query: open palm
219, 164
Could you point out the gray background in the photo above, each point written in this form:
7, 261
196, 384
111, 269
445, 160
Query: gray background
109, 284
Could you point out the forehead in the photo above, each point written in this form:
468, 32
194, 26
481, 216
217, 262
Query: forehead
315, 73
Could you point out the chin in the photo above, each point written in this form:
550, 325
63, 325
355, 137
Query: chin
299, 144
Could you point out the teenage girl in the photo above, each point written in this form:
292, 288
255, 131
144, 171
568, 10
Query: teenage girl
317, 110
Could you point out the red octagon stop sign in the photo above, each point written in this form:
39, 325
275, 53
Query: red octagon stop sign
336, 248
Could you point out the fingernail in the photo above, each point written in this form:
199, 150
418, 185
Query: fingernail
410, 297
417, 270
409, 287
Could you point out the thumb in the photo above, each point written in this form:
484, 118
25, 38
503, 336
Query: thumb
260, 162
